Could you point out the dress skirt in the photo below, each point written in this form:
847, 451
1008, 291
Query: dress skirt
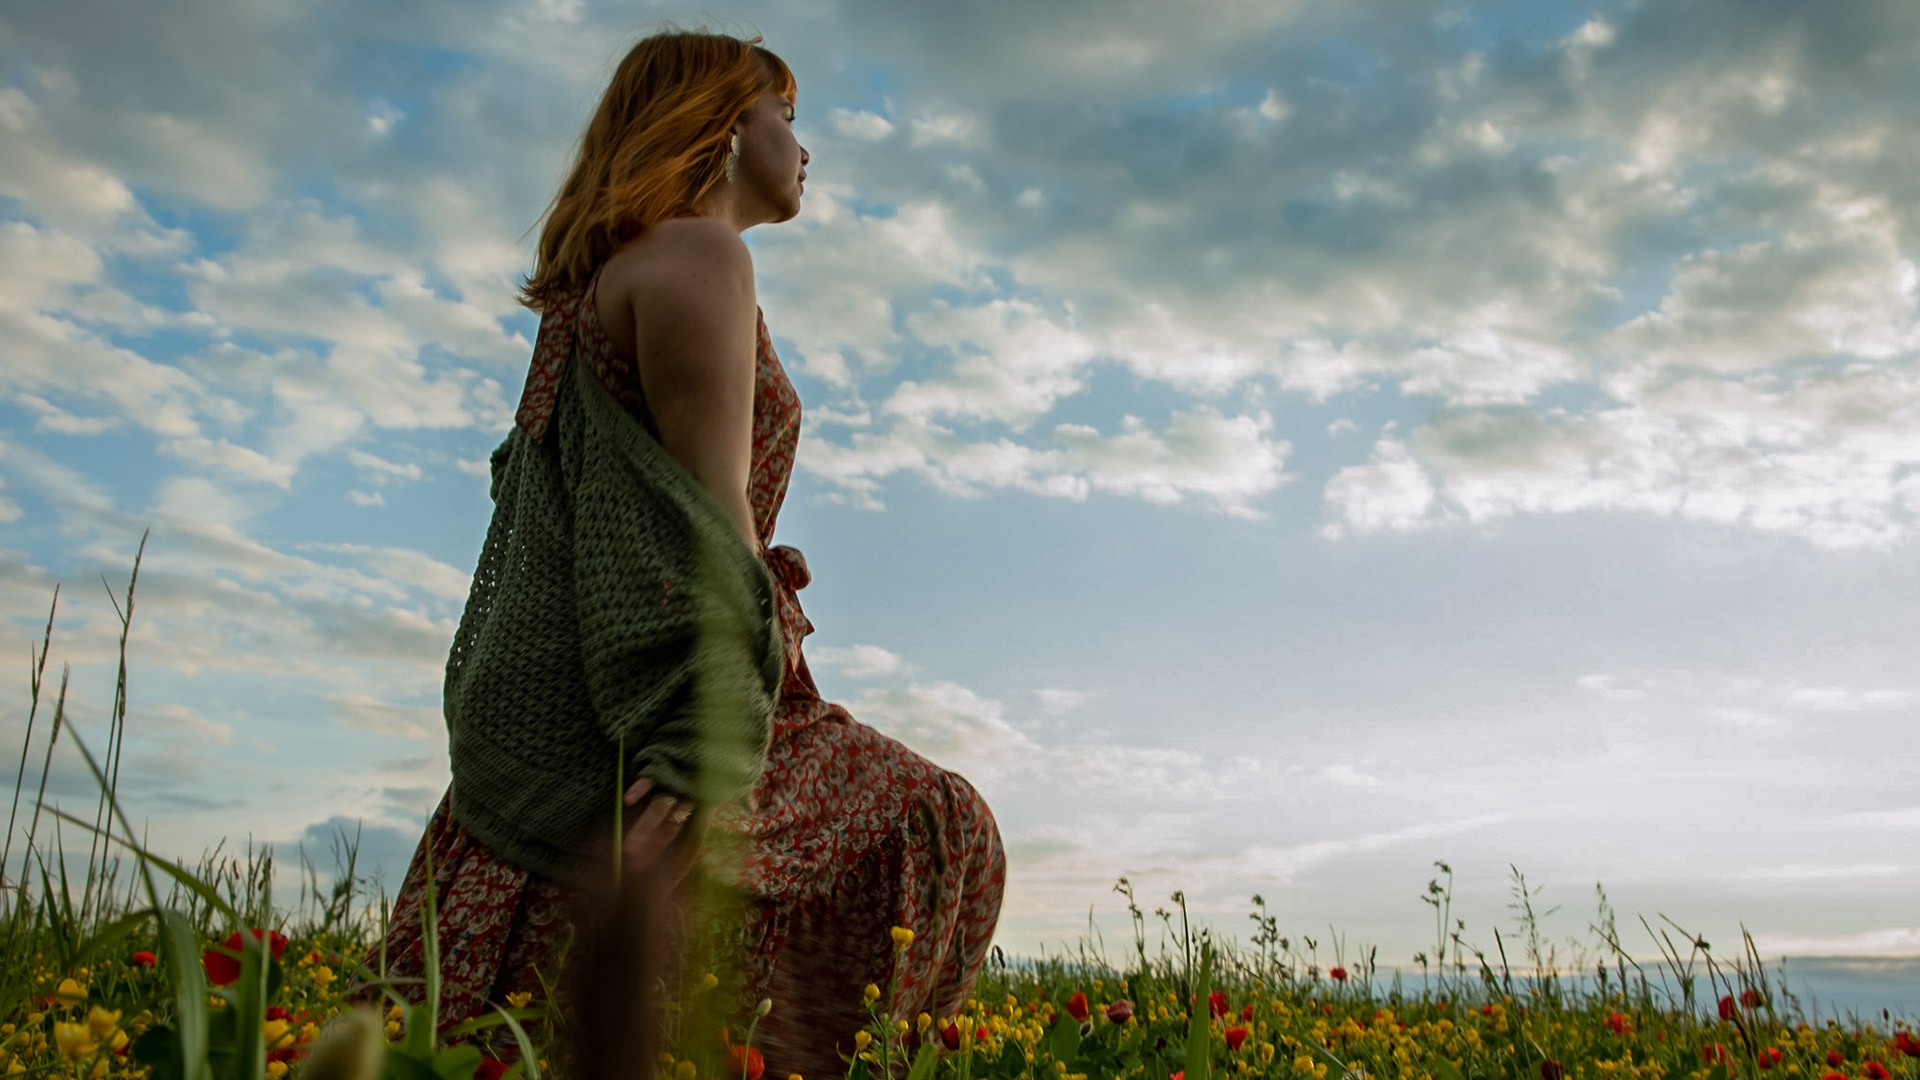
854, 834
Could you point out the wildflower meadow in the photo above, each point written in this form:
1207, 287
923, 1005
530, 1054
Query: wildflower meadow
103, 978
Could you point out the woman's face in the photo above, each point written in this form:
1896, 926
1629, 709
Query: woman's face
772, 161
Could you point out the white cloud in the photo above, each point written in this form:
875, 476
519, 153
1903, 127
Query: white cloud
857, 661
1225, 462
953, 127
1012, 363
859, 124
382, 116
1057, 701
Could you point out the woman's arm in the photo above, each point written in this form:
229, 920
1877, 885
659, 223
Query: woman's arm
695, 322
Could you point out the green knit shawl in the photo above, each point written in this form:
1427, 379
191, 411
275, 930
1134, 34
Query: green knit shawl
614, 606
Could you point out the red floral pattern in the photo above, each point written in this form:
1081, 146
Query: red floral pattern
855, 832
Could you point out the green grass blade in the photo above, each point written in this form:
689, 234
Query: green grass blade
1199, 1021
180, 874
923, 1063
100, 778
250, 1009
457, 1062
396, 1065
528, 1059
110, 935
482, 1023
432, 955
182, 947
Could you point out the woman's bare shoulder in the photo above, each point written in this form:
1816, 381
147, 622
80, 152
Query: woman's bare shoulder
680, 248
683, 266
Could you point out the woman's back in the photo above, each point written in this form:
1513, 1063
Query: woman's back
677, 303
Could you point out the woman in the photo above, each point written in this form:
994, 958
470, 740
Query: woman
830, 832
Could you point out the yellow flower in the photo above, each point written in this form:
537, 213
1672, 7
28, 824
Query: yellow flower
872, 992
862, 1040
902, 936
900, 1026
75, 1041
795, 1076
322, 975
393, 1029
394, 1013
16, 1067
709, 981
99, 1070
686, 1070
924, 1022
119, 1040
71, 991
275, 1032
519, 1001
276, 1069
101, 1022
309, 1031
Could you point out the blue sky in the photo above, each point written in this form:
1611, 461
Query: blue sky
1265, 449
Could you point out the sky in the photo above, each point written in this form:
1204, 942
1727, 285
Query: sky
1268, 448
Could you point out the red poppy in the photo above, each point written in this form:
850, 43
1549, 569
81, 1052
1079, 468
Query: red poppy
1236, 1036
275, 1012
745, 1062
1763, 1063
1485, 1010
1876, 1071
1550, 1070
1216, 1005
1077, 1006
1716, 1052
950, 1036
143, 958
223, 969
1775, 1054
1751, 998
1906, 1044
1120, 1011
1618, 1023
1246, 1011
1338, 974
1836, 1058
1181, 1075
489, 1069
1726, 1007
981, 1034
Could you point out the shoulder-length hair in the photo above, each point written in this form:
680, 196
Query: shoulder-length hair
657, 145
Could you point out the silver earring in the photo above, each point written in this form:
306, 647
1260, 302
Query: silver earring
733, 159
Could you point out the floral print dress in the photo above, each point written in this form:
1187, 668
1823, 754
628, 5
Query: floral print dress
854, 833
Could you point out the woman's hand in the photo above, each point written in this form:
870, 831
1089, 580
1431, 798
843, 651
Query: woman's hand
644, 849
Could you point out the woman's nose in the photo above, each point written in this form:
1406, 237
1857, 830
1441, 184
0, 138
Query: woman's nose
804, 156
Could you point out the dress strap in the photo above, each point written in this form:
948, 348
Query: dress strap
550, 350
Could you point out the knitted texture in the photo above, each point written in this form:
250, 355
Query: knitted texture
614, 606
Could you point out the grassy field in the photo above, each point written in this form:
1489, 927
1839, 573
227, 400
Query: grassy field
109, 976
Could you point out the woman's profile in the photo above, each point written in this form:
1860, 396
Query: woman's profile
629, 624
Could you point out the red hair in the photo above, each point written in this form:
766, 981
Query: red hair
655, 148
